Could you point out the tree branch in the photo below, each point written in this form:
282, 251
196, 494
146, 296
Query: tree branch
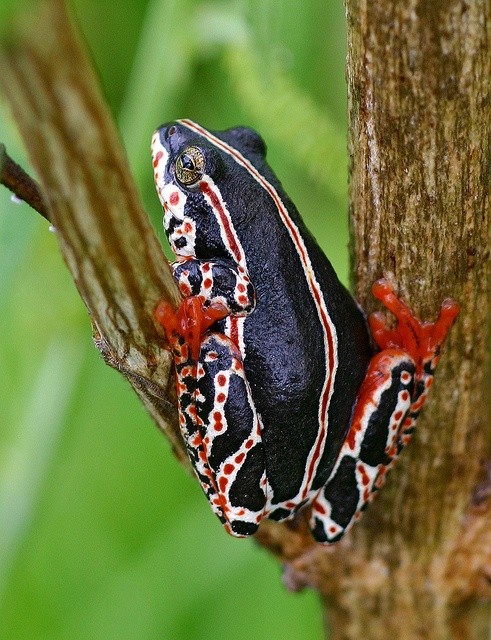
21, 184
105, 236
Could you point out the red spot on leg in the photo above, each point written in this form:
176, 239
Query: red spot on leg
192, 411
364, 477
351, 437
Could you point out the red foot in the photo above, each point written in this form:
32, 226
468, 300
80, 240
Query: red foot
189, 321
420, 339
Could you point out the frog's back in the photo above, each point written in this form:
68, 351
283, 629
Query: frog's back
306, 353
306, 344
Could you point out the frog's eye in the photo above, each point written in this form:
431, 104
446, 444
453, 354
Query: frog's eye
190, 166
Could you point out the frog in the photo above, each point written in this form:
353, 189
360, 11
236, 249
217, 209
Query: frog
291, 401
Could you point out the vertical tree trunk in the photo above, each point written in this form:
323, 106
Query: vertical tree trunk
420, 156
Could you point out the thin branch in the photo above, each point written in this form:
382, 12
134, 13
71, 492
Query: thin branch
21, 184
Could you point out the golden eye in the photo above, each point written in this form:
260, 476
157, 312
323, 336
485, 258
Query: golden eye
190, 166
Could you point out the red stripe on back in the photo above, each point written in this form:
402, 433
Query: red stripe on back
216, 204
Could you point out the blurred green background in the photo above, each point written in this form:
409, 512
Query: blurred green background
102, 534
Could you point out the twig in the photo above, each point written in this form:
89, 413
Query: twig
21, 184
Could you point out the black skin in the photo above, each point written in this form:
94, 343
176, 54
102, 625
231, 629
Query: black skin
284, 345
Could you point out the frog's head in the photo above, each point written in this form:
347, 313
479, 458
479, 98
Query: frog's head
204, 183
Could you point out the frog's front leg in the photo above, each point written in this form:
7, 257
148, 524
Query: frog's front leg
218, 420
216, 281
388, 403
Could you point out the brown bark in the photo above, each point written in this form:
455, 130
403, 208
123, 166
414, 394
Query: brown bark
105, 237
418, 565
420, 151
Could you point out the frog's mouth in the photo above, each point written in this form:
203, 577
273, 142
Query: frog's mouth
179, 228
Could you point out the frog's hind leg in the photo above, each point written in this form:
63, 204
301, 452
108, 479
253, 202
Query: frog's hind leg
388, 403
231, 434
372, 443
223, 434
